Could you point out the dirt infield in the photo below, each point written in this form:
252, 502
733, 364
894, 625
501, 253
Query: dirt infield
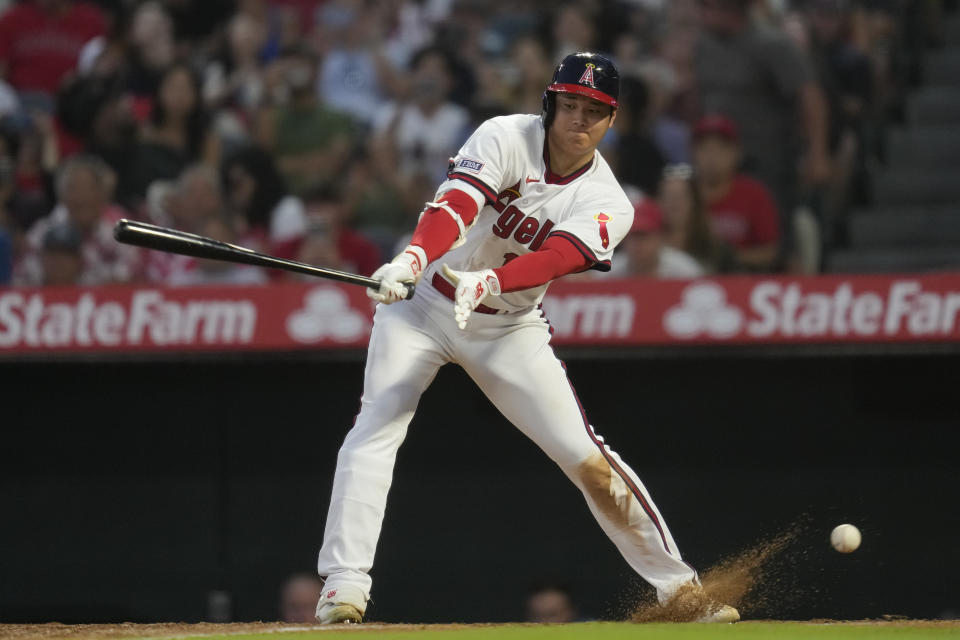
57, 631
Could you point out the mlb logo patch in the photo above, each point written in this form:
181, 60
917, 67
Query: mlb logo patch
473, 166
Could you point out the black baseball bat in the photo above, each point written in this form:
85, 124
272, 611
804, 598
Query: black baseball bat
151, 236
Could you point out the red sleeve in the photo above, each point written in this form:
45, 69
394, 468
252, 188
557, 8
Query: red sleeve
556, 257
764, 218
437, 230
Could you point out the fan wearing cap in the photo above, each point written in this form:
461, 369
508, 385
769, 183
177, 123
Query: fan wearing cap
645, 252
61, 258
742, 210
527, 199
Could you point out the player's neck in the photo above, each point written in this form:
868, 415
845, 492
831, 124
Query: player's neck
563, 164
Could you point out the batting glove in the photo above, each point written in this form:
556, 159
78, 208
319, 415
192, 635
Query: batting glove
471, 289
405, 269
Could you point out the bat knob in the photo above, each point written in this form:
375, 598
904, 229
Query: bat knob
410, 289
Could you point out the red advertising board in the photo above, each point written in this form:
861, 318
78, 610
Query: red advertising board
728, 310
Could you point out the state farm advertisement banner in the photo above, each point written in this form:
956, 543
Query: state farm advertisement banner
132, 319
729, 310
760, 310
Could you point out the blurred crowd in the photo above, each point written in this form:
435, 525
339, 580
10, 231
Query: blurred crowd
317, 129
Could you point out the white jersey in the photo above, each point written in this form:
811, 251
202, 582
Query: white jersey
504, 167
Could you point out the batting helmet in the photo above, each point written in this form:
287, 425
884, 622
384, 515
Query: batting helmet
585, 74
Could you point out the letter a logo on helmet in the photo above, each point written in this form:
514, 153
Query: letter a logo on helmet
587, 77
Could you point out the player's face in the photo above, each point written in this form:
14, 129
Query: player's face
580, 123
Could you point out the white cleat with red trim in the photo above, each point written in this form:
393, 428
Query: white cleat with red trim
724, 613
691, 603
341, 605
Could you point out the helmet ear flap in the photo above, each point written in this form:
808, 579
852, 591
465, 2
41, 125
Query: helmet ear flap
549, 108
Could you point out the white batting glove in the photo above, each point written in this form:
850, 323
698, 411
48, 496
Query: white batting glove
405, 269
472, 288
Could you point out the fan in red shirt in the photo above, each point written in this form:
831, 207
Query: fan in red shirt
742, 210
40, 41
329, 241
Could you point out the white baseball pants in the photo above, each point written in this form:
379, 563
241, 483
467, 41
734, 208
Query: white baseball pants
510, 359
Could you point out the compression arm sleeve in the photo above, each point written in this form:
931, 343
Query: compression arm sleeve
439, 227
556, 257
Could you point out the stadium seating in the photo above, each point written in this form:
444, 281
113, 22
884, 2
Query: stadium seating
915, 221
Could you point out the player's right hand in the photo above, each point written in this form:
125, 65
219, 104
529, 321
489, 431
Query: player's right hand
405, 269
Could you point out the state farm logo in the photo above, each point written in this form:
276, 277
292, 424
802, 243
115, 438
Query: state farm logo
782, 309
149, 317
703, 309
326, 314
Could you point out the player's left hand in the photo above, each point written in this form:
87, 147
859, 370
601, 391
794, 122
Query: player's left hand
471, 289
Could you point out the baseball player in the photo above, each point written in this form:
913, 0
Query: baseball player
527, 200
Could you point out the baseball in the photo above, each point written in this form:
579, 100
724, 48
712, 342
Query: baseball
845, 538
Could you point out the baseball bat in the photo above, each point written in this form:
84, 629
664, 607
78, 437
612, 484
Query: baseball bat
151, 236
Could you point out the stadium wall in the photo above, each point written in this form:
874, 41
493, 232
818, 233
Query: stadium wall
137, 490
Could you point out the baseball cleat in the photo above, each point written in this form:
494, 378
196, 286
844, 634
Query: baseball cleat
692, 604
330, 613
341, 605
724, 613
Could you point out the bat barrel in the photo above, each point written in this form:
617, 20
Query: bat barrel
151, 236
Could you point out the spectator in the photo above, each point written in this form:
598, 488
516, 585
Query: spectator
9, 147
217, 272
234, 79
61, 259
40, 42
106, 55
686, 223
765, 85
413, 25
195, 22
529, 58
675, 60
37, 156
177, 133
6, 256
550, 603
354, 77
847, 77
845, 72
84, 187
6, 220
637, 160
267, 216
330, 242
309, 141
99, 112
429, 128
380, 203
574, 29
298, 598
670, 134
187, 204
645, 253
742, 210
196, 197
151, 50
